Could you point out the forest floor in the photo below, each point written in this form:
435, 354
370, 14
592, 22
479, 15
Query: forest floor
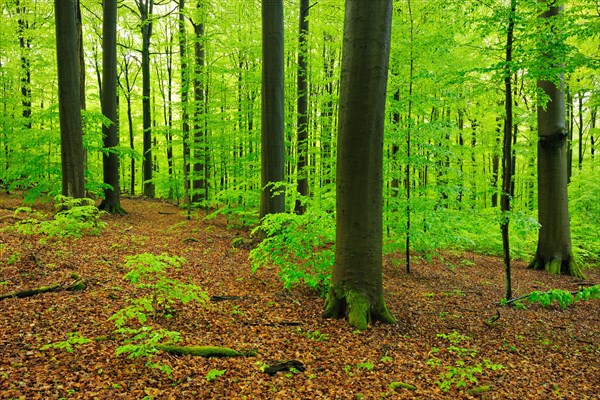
441, 340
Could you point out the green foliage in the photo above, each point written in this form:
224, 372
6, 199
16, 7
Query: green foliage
315, 335
213, 374
584, 209
74, 339
367, 365
148, 272
460, 373
301, 246
564, 298
74, 217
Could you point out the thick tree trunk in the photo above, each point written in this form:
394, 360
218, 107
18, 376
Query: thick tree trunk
302, 105
554, 253
71, 141
356, 285
110, 133
272, 143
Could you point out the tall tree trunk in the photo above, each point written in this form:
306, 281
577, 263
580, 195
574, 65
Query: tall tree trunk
199, 183
356, 286
408, 138
110, 133
25, 46
302, 145
185, 126
71, 141
580, 130
554, 253
145, 7
507, 164
272, 199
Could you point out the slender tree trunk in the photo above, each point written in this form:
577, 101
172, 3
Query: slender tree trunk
71, 141
302, 145
507, 171
408, 139
554, 253
356, 286
25, 46
580, 131
199, 183
272, 199
110, 133
145, 7
185, 87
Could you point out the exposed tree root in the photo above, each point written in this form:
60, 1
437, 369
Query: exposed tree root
557, 266
205, 351
112, 209
77, 284
356, 307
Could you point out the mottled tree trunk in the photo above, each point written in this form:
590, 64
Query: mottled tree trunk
71, 141
356, 285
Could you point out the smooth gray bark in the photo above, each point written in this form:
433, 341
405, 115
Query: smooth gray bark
110, 133
357, 284
272, 129
71, 140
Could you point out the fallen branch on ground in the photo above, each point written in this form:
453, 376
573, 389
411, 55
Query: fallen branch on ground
205, 351
77, 284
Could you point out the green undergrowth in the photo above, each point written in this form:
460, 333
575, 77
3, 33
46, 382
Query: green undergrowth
563, 298
301, 246
73, 218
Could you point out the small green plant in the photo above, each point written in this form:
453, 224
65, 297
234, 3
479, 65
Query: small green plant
148, 272
453, 337
213, 374
300, 245
315, 335
460, 373
74, 339
564, 298
262, 366
385, 359
367, 365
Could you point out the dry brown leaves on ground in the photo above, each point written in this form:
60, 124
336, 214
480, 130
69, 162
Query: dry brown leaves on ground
441, 342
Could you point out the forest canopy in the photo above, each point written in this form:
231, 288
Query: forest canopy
197, 139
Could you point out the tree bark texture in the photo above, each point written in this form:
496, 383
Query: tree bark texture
554, 253
71, 141
302, 107
145, 7
272, 141
199, 183
356, 286
110, 133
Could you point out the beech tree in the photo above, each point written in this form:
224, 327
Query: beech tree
356, 290
554, 252
302, 109
145, 8
272, 199
110, 132
71, 141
